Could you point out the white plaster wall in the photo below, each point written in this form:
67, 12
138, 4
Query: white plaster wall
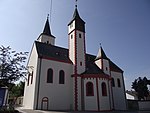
99, 63
104, 100
29, 91
71, 48
118, 92
106, 65
59, 95
45, 38
90, 101
71, 28
80, 52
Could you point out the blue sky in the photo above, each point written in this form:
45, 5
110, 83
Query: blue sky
122, 26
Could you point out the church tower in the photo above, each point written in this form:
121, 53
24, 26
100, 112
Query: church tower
46, 36
76, 34
76, 28
102, 61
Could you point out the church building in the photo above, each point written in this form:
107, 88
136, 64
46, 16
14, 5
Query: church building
71, 79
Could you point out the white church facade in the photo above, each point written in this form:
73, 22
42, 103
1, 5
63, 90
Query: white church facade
71, 79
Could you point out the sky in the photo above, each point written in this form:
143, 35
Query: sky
121, 26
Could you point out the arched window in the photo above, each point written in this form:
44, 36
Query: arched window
61, 77
89, 89
104, 89
118, 82
49, 75
113, 82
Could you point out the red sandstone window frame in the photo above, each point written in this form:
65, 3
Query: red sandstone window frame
104, 89
89, 89
118, 82
61, 77
113, 82
50, 75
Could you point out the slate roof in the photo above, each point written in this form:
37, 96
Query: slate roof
47, 30
101, 54
62, 54
76, 17
79, 23
51, 51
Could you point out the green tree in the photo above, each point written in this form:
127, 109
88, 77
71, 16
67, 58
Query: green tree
12, 66
17, 91
140, 86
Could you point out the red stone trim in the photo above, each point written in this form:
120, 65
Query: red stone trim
109, 93
84, 51
112, 92
87, 89
48, 58
96, 76
98, 103
75, 72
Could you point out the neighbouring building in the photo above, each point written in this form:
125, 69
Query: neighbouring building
71, 79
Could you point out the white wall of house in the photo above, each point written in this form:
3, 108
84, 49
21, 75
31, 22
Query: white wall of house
59, 95
118, 92
90, 101
106, 66
29, 92
104, 100
47, 39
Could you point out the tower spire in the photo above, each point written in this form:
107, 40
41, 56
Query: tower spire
76, 5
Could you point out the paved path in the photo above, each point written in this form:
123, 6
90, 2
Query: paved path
40, 111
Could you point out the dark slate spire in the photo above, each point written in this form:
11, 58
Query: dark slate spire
79, 23
47, 30
101, 54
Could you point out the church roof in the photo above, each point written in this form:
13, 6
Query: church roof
76, 16
47, 30
114, 67
101, 54
62, 54
51, 51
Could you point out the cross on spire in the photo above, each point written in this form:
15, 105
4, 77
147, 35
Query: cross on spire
76, 3
47, 16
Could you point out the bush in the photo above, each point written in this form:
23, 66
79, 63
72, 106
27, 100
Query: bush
8, 111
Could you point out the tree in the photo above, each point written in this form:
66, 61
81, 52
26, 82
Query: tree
12, 66
140, 86
17, 91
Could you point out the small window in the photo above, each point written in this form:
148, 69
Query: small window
47, 42
30, 77
118, 82
89, 89
113, 82
104, 89
106, 68
71, 36
80, 63
50, 76
80, 35
71, 25
61, 77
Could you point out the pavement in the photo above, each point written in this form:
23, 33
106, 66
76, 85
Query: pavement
41, 111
